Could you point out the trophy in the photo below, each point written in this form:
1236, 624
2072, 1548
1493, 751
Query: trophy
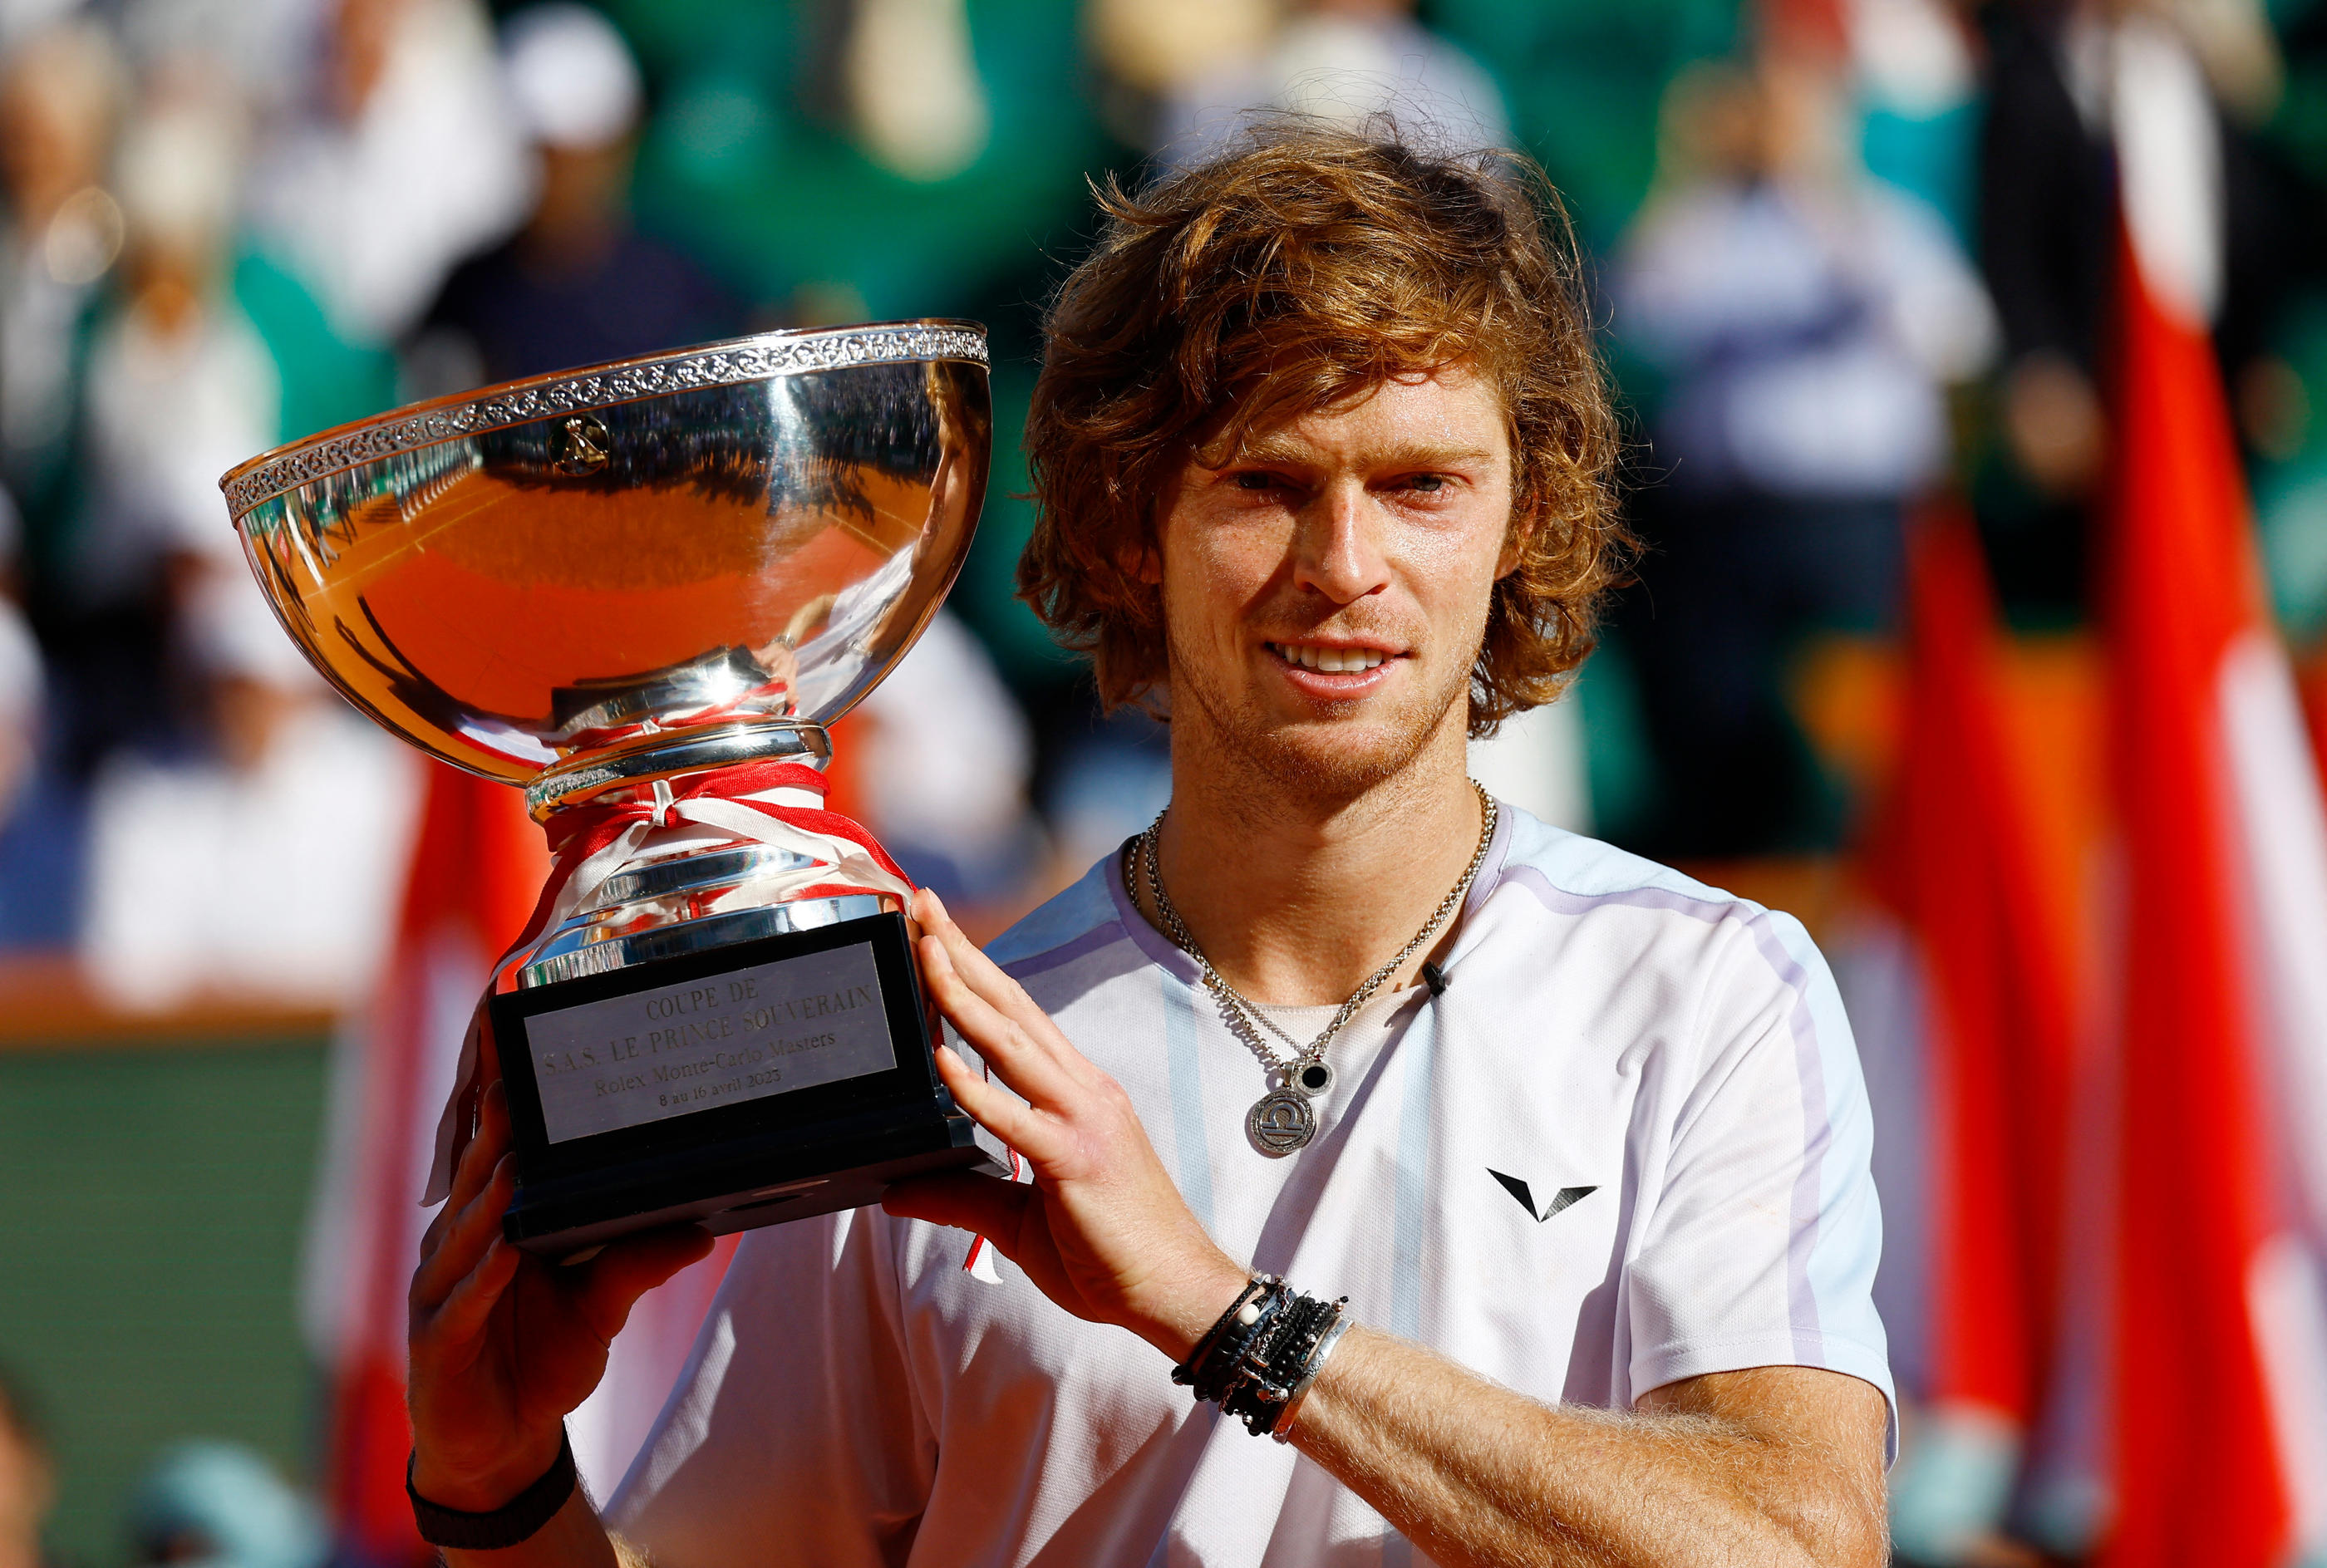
642, 591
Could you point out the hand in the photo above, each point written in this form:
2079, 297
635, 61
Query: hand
503, 1344
1102, 1231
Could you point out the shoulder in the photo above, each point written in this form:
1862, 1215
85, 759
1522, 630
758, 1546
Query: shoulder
1084, 922
1645, 925
1572, 876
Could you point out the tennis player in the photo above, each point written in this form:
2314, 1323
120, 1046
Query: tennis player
1404, 1179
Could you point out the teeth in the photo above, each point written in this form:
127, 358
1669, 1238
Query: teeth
1329, 661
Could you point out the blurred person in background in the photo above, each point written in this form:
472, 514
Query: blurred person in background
941, 755
1808, 321
2049, 237
577, 285
61, 93
1343, 60
912, 95
39, 813
187, 896
400, 158
1109, 782
179, 388
181, 385
209, 1504
28, 1480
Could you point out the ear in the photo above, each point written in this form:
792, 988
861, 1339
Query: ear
1142, 562
1516, 540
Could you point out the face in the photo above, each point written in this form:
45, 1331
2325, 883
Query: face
1325, 589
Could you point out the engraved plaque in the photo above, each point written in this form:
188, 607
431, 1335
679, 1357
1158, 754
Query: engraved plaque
745, 1035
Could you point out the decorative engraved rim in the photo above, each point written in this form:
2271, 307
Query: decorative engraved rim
755, 359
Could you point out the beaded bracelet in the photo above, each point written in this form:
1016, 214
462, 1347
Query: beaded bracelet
1288, 1361
1257, 1362
1216, 1355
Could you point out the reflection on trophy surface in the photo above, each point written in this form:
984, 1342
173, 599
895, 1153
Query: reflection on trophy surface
641, 591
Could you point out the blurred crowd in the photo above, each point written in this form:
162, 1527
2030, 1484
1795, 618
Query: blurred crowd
228, 226
1850, 252
1852, 256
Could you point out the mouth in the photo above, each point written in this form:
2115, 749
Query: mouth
1332, 669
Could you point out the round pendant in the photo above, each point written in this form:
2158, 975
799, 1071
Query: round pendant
1313, 1079
1280, 1122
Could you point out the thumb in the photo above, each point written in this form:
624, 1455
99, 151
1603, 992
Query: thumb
988, 1205
629, 1269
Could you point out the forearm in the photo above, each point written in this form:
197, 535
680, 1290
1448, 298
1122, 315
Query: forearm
1475, 1474
573, 1538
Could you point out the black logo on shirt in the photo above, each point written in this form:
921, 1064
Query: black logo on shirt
1519, 1190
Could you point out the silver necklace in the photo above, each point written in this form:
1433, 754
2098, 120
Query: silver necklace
1283, 1119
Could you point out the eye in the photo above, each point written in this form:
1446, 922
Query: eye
1258, 479
1429, 484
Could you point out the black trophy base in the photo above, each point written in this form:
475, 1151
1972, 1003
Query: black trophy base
742, 1086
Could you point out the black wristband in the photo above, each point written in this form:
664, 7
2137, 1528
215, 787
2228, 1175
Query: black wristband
1190, 1373
515, 1521
1219, 1371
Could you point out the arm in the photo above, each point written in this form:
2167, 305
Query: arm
504, 1345
1779, 1465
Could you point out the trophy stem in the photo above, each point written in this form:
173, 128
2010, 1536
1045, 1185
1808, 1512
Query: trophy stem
580, 779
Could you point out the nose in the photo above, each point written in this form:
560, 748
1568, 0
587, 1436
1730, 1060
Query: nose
1336, 547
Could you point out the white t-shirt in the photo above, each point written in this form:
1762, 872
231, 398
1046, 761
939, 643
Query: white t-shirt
1671, 1061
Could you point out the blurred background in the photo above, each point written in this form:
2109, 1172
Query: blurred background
1969, 351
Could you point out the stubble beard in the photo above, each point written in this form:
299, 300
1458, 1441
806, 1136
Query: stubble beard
1316, 762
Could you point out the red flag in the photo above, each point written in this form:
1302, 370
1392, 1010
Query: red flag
1963, 854
1962, 870
477, 864
2224, 921
2314, 705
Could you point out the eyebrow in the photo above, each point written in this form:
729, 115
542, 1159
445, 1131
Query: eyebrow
1408, 454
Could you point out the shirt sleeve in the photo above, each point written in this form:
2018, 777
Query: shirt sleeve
1761, 1245
795, 1420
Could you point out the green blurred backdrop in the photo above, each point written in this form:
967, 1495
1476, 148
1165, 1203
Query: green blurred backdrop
149, 1241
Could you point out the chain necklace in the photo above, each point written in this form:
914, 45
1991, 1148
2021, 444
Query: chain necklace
1283, 1120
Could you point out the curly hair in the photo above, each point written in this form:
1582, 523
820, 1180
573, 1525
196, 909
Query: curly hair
1299, 272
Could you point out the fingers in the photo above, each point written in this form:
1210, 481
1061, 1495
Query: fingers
986, 980
461, 1316
1034, 1073
629, 1269
981, 974
996, 1110
985, 1204
463, 1239
484, 1150
478, 1162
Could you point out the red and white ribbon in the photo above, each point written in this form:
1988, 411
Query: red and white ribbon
778, 804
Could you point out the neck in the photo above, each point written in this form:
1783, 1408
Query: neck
1297, 896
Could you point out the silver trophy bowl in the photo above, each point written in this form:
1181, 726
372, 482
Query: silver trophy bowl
588, 582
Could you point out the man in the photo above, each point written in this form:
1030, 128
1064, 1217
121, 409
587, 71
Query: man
1322, 453
577, 284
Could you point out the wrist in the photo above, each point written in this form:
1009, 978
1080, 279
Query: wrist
484, 1488
1185, 1312
497, 1529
